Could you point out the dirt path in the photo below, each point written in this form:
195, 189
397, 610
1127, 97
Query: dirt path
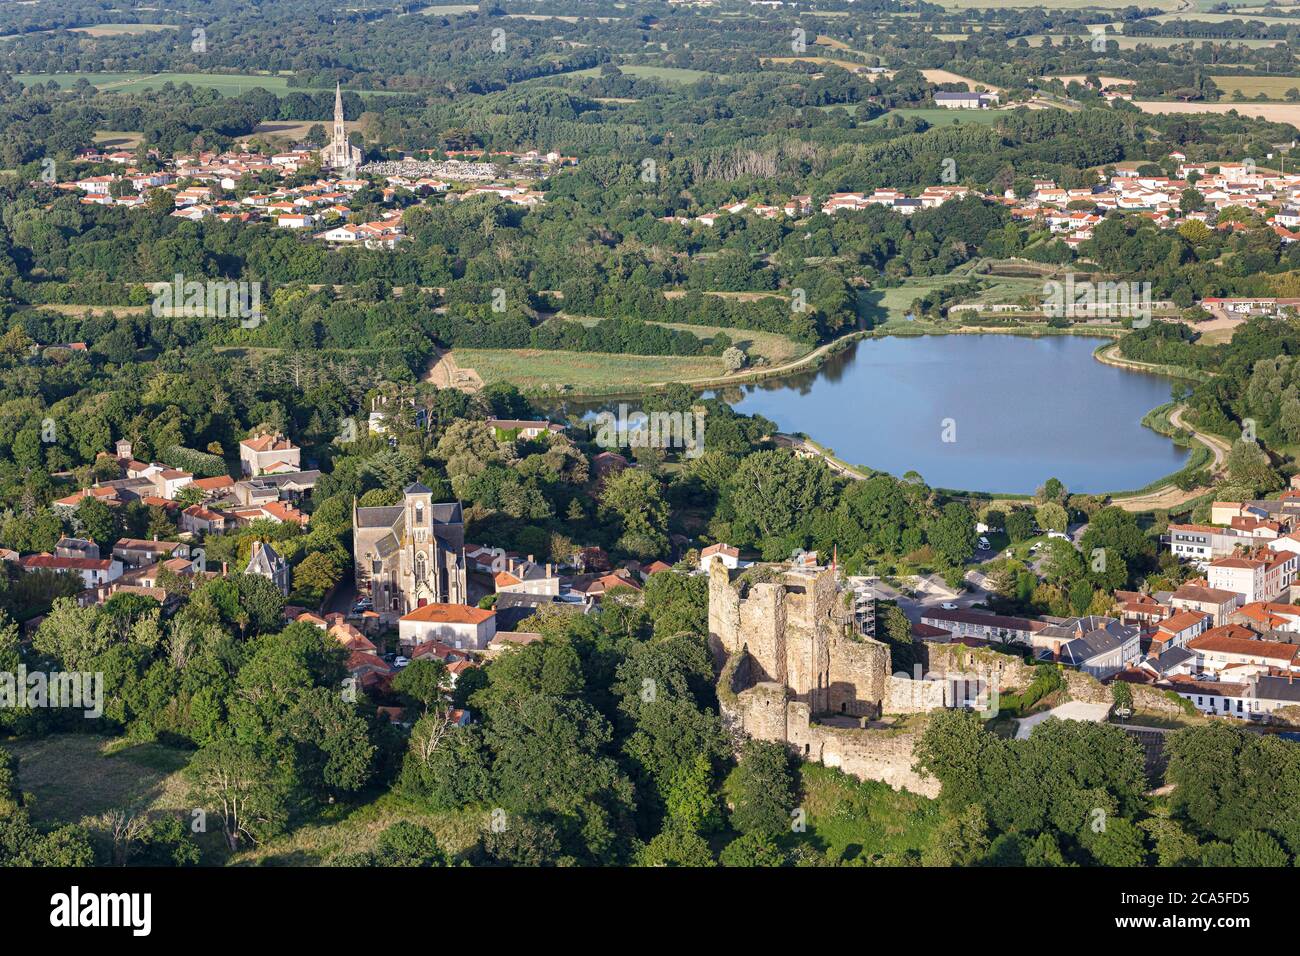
806, 449
445, 373
1170, 496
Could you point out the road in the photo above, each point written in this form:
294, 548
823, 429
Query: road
1170, 496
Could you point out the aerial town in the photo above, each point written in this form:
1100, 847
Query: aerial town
586, 437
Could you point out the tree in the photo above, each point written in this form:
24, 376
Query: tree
408, 845
424, 681
1052, 517
317, 573
953, 535
634, 499
1255, 848
1020, 524
752, 850
1119, 843
246, 785
734, 359
960, 840
691, 800
1122, 695
677, 845
764, 790
677, 603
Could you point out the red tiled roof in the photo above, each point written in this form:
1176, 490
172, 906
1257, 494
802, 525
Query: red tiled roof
449, 614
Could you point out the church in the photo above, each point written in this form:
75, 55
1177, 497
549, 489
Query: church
410, 554
339, 153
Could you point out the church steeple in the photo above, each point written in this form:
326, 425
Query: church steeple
340, 130
339, 153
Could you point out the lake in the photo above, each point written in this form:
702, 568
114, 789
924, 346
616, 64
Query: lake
978, 412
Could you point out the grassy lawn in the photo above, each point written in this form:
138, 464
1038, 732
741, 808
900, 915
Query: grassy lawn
77, 777
600, 371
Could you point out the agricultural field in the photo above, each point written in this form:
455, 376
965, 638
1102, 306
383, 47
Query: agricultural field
777, 349
117, 29
230, 84
669, 74
533, 369
118, 139
1054, 4
1249, 87
947, 76
1223, 18
819, 60
938, 116
1274, 112
295, 130
1132, 43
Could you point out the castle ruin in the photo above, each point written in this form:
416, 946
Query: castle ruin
795, 668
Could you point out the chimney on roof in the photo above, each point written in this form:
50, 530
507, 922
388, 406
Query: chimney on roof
548, 569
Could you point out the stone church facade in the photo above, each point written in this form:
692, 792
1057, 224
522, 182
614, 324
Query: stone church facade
410, 554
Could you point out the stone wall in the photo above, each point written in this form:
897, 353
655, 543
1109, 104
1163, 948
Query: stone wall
907, 696
764, 712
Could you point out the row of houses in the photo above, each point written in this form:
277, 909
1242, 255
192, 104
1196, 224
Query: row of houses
197, 182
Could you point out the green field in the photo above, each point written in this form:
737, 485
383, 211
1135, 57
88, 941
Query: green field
1249, 87
533, 369
138, 82
777, 349
669, 74
56, 769
938, 116
1053, 4
225, 83
1132, 43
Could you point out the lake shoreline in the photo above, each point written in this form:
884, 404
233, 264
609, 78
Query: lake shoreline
813, 362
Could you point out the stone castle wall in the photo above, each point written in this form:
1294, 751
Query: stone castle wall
781, 641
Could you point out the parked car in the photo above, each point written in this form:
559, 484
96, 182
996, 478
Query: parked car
400, 661
948, 606
984, 544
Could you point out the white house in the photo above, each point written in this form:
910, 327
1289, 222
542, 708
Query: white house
723, 552
92, 571
456, 625
269, 455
